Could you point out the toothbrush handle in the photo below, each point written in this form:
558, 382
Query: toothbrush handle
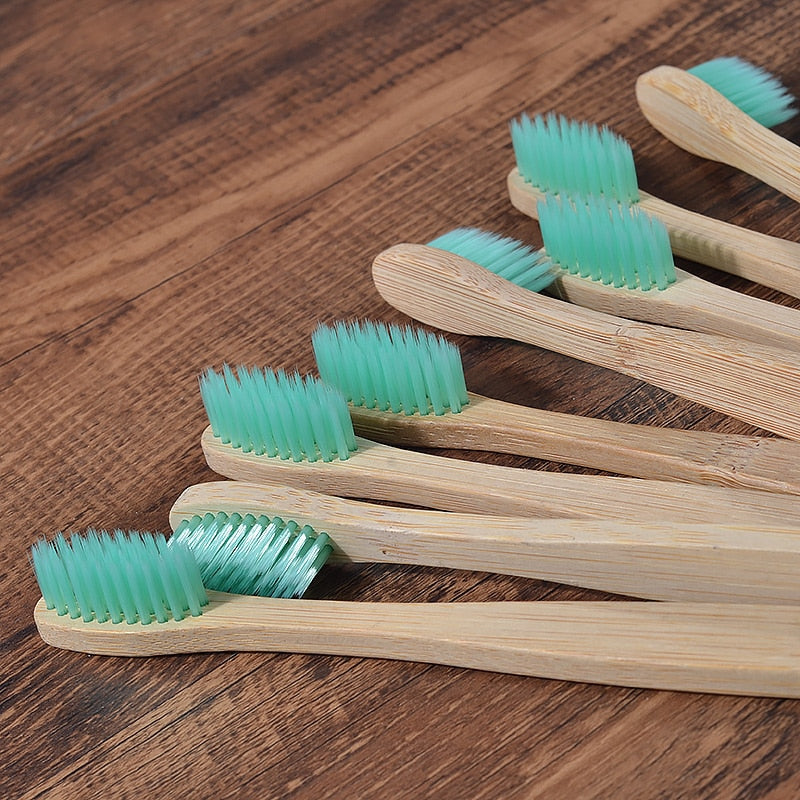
699, 119
653, 560
380, 472
729, 649
690, 303
753, 462
757, 384
755, 256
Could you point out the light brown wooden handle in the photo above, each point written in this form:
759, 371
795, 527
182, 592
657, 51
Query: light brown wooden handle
655, 560
729, 649
699, 119
753, 462
762, 259
757, 384
380, 472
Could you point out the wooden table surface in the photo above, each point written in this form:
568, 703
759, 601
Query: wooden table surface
185, 184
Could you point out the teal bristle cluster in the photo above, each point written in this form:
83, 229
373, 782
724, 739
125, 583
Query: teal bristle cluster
135, 577
754, 90
607, 242
275, 414
405, 370
508, 258
254, 555
560, 156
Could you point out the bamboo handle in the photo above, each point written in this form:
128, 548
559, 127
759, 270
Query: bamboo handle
727, 649
692, 304
379, 472
699, 119
757, 384
755, 256
655, 560
643, 451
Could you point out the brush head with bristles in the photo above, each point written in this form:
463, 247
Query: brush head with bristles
508, 258
263, 556
135, 577
607, 242
275, 414
405, 370
560, 156
752, 89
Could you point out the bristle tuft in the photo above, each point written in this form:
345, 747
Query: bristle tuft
508, 258
275, 414
404, 370
135, 577
607, 242
754, 90
254, 555
564, 157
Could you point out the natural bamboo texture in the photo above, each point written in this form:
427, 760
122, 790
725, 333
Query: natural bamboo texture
719, 648
760, 258
643, 451
379, 472
757, 384
651, 560
191, 183
699, 119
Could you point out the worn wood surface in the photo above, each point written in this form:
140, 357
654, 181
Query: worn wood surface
185, 184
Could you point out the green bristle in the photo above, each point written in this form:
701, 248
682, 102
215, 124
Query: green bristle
608, 242
254, 555
564, 157
508, 258
754, 90
275, 414
405, 370
135, 577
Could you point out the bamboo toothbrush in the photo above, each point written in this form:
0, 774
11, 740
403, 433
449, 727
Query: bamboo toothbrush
617, 259
406, 387
722, 648
757, 384
658, 561
559, 156
278, 429
700, 118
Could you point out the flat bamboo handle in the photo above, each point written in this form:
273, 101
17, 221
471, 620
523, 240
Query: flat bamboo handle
755, 256
757, 384
726, 649
699, 119
692, 304
655, 560
643, 451
379, 472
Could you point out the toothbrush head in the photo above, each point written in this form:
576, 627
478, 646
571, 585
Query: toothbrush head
605, 241
135, 577
401, 369
508, 258
263, 556
563, 157
275, 414
752, 89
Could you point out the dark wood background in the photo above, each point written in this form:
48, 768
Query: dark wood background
190, 183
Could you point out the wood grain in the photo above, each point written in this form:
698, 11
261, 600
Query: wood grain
718, 648
405, 477
663, 560
749, 381
189, 184
704, 122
